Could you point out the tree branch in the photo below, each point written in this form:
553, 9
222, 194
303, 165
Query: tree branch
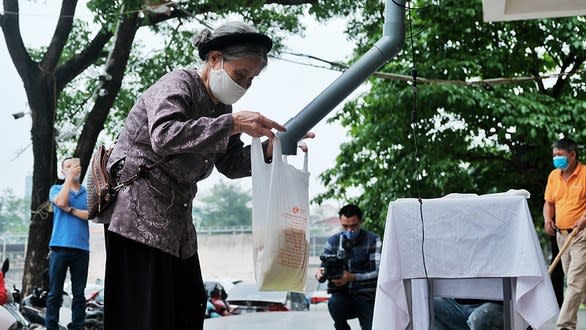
151, 19
535, 72
185, 12
538, 81
11, 29
81, 61
115, 68
60, 36
292, 2
560, 83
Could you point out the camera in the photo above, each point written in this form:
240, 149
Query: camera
333, 266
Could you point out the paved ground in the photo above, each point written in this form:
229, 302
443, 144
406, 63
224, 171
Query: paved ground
581, 322
317, 319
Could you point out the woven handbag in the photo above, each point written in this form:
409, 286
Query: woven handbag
101, 188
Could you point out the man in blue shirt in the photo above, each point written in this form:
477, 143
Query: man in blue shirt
69, 246
353, 293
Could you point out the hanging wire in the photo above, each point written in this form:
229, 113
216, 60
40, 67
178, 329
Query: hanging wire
337, 66
416, 157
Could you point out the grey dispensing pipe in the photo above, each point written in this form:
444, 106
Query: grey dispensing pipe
383, 50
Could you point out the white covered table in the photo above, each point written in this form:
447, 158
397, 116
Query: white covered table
469, 237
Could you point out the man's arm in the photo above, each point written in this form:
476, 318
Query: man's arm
581, 223
61, 200
82, 214
548, 214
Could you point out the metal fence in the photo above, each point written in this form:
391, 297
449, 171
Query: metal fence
13, 247
316, 242
221, 230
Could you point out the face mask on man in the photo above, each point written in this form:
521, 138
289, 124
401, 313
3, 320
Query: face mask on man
561, 162
224, 88
351, 235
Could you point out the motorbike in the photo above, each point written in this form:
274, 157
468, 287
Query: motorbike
94, 310
10, 316
34, 305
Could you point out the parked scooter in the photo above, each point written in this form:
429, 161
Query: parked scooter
33, 307
10, 316
94, 310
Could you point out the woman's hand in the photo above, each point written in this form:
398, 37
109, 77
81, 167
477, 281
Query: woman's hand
254, 124
301, 145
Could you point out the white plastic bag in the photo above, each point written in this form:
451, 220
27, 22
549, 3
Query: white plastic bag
280, 221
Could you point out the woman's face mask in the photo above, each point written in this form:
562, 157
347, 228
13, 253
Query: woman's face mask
224, 88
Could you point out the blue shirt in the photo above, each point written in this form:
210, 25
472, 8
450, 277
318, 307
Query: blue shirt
68, 230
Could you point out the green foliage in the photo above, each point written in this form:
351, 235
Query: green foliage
14, 213
167, 47
478, 139
225, 205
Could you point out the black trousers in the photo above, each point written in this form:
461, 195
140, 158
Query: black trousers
148, 289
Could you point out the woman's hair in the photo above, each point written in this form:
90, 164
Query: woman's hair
236, 50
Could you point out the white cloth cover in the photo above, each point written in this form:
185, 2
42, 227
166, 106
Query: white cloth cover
280, 221
488, 236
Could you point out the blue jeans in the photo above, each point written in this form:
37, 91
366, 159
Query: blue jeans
59, 261
450, 315
344, 306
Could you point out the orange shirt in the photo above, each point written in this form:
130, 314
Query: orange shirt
569, 197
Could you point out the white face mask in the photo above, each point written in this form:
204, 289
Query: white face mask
224, 88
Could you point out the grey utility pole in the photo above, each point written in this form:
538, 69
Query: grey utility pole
383, 50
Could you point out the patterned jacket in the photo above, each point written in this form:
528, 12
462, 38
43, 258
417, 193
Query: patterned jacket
175, 117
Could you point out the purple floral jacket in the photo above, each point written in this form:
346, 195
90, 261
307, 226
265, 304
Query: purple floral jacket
175, 117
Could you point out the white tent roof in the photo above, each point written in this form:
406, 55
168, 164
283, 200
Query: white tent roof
510, 10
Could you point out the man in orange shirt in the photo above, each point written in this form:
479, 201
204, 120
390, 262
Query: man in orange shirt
565, 199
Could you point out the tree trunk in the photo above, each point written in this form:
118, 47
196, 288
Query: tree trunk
115, 69
41, 97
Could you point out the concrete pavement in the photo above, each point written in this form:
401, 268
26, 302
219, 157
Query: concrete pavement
317, 319
581, 322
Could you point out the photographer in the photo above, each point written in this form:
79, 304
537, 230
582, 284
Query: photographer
350, 262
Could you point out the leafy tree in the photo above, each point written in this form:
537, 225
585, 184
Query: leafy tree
77, 79
225, 205
476, 138
13, 213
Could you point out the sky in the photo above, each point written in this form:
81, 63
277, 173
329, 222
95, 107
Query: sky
280, 92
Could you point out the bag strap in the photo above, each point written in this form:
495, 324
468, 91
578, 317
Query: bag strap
142, 172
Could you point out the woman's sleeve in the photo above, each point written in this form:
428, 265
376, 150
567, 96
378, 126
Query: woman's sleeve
235, 162
172, 128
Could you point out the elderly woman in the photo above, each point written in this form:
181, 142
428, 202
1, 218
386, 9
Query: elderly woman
184, 124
